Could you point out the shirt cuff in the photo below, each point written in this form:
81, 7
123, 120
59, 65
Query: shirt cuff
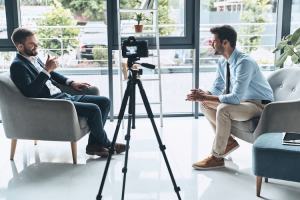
222, 98
47, 73
69, 81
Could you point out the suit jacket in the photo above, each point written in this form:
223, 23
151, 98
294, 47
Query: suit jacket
31, 82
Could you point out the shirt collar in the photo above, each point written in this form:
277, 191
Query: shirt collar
232, 56
32, 59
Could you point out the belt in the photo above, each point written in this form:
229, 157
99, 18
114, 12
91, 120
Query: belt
265, 101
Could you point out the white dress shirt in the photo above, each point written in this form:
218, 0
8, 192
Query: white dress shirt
52, 88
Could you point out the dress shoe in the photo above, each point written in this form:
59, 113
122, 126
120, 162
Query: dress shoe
97, 150
120, 148
211, 162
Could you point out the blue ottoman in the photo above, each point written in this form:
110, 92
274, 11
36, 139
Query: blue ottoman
272, 159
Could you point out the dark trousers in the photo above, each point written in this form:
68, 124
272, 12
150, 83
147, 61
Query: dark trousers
95, 109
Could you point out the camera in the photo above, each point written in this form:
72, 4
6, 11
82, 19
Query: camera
132, 48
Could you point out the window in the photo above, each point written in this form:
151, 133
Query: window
295, 23
175, 21
69, 31
255, 23
3, 25
73, 33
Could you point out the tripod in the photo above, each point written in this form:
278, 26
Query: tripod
130, 94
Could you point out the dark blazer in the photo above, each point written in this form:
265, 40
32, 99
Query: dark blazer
29, 81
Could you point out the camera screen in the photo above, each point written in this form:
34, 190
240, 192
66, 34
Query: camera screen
134, 48
131, 50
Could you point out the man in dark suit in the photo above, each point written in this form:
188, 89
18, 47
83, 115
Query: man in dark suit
38, 80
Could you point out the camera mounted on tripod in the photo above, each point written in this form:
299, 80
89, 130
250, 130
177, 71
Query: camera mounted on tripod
134, 50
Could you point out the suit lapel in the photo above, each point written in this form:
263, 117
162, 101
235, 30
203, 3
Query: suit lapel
28, 63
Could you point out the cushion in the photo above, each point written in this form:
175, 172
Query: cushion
272, 159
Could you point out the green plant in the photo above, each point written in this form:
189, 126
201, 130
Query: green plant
52, 36
100, 54
254, 15
139, 17
290, 47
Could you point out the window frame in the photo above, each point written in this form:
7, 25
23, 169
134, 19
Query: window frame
186, 42
12, 22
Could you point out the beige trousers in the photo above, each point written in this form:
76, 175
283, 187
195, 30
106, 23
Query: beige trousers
220, 119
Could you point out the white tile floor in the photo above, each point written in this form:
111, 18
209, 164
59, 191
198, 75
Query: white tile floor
46, 171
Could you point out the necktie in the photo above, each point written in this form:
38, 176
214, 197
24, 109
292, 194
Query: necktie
227, 86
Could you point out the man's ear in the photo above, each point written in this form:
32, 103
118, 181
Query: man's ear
225, 42
20, 46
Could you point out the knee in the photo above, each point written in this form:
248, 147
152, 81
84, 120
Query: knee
94, 109
202, 107
107, 102
223, 108
103, 102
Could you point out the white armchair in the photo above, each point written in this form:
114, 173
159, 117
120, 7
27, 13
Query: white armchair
40, 118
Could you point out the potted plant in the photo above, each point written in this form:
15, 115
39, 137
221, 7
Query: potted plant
139, 17
290, 45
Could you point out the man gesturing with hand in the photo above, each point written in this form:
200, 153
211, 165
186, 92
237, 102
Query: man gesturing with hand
39, 80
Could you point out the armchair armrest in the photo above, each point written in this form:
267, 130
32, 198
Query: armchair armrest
279, 117
43, 119
93, 90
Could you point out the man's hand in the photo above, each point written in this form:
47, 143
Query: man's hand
51, 64
79, 86
196, 95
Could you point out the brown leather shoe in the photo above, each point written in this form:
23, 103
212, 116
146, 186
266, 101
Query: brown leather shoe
231, 146
211, 162
120, 148
97, 150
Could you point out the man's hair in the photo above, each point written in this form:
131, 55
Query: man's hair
20, 34
225, 32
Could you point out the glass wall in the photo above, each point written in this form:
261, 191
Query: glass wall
255, 23
171, 15
176, 76
3, 27
295, 16
71, 31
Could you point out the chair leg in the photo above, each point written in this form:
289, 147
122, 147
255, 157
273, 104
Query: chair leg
258, 185
13, 148
266, 180
74, 152
35, 142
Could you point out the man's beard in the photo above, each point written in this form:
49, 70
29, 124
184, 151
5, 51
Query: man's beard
30, 52
219, 51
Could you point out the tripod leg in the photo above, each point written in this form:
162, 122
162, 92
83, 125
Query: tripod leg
161, 146
127, 137
133, 109
111, 149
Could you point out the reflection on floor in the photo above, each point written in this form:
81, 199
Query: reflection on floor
46, 171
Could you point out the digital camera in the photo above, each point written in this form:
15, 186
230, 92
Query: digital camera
132, 48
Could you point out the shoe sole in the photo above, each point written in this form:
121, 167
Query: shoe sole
207, 168
224, 155
97, 154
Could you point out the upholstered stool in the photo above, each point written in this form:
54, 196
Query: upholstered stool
272, 159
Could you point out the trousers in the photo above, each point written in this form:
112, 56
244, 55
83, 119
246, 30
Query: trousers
95, 109
220, 118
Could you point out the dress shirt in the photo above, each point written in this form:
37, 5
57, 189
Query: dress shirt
246, 80
52, 88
